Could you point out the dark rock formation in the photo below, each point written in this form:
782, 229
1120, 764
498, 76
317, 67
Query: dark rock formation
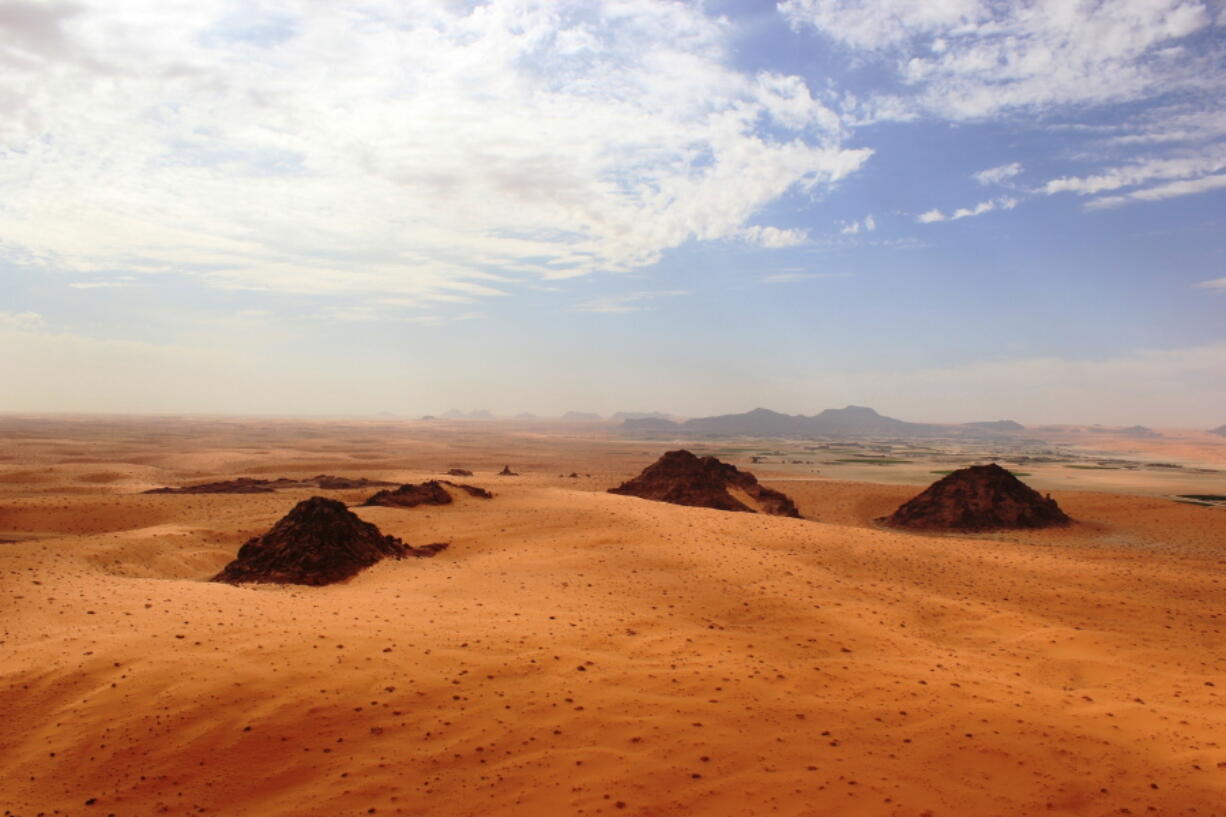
428, 493
459, 472
507, 472
681, 478
410, 496
580, 416
471, 490
319, 542
978, 498
1220, 431
248, 485
242, 485
331, 483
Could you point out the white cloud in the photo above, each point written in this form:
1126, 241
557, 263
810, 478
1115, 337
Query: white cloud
968, 59
773, 237
868, 224
1217, 283
1170, 124
632, 302
1170, 190
396, 150
1139, 172
99, 284
934, 215
999, 174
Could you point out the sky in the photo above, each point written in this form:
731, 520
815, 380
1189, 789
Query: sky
954, 210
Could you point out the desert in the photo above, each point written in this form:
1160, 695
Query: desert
586, 408
574, 651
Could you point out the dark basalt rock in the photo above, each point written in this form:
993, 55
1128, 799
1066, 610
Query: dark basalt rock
507, 472
242, 485
471, 490
331, 483
319, 542
410, 496
681, 478
249, 485
428, 493
978, 498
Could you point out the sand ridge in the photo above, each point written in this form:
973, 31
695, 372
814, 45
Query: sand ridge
579, 652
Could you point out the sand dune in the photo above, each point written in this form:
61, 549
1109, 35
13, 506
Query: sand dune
575, 652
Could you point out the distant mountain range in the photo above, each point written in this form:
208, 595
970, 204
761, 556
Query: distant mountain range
1131, 431
639, 415
832, 422
570, 416
997, 425
1220, 431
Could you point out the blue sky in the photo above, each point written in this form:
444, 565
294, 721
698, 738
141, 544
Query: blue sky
954, 210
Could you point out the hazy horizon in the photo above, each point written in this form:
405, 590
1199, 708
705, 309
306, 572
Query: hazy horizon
950, 212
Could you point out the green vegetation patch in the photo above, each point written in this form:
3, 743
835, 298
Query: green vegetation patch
1094, 467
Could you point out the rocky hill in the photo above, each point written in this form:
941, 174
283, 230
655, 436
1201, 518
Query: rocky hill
978, 498
319, 542
682, 478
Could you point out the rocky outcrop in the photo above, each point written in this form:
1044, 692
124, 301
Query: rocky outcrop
978, 498
242, 485
459, 472
319, 542
249, 485
471, 490
427, 493
410, 496
331, 483
682, 478
507, 472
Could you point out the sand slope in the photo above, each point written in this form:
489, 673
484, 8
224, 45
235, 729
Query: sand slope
575, 652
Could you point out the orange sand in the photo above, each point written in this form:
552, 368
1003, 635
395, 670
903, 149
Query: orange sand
575, 652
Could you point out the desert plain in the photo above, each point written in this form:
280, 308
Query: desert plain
574, 652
